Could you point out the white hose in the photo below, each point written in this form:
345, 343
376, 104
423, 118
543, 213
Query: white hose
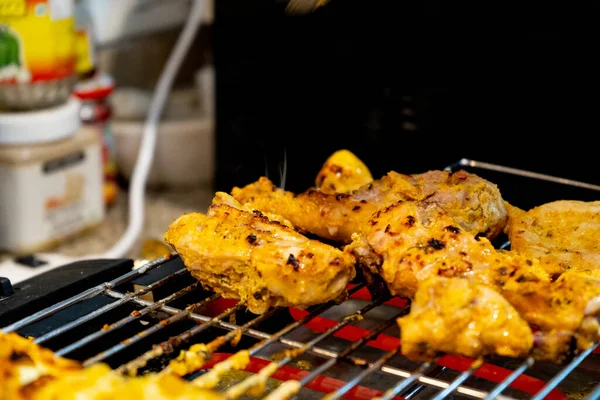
146, 151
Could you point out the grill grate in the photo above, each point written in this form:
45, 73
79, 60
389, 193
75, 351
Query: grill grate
181, 322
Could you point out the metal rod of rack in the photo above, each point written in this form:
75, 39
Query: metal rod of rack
87, 294
522, 172
403, 384
558, 378
528, 363
130, 318
353, 347
595, 394
459, 380
182, 315
316, 350
241, 388
362, 375
88, 317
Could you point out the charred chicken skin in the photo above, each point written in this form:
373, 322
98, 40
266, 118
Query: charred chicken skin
409, 243
246, 256
475, 204
30, 372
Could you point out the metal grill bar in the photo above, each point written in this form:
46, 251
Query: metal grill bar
87, 294
528, 363
88, 317
183, 314
595, 395
245, 385
563, 373
391, 393
359, 343
362, 375
130, 318
527, 174
459, 380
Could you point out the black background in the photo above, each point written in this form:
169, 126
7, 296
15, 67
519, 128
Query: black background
506, 84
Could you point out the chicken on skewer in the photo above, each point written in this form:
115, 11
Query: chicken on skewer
409, 243
246, 256
473, 202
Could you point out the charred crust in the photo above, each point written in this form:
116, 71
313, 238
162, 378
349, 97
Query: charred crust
387, 228
410, 220
258, 214
335, 261
370, 186
355, 208
19, 356
452, 229
521, 279
310, 255
341, 196
336, 169
259, 295
251, 238
293, 262
363, 201
436, 244
529, 262
503, 271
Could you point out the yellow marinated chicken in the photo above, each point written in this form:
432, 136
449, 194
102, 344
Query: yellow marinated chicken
564, 235
407, 243
245, 256
22, 362
473, 202
343, 172
561, 311
99, 382
461, 316
226, 198
30, 372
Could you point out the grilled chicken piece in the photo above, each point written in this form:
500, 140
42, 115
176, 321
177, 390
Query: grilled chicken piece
30, 372
563, 311
226, 198
473, 202
343, 172
407, 243
461, 316
99, 382
246, 256
22, 362
562, 234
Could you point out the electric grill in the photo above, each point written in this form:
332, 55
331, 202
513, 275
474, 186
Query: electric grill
138, 319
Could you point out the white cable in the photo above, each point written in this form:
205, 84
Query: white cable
146, 151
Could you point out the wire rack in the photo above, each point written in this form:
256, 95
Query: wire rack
356, 362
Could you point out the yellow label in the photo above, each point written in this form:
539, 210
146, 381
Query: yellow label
39, 45
12, 8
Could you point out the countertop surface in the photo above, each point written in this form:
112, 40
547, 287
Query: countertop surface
162, 208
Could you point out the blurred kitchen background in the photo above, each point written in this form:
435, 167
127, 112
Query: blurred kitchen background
262, 91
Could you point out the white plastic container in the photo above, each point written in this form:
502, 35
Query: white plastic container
50, 178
